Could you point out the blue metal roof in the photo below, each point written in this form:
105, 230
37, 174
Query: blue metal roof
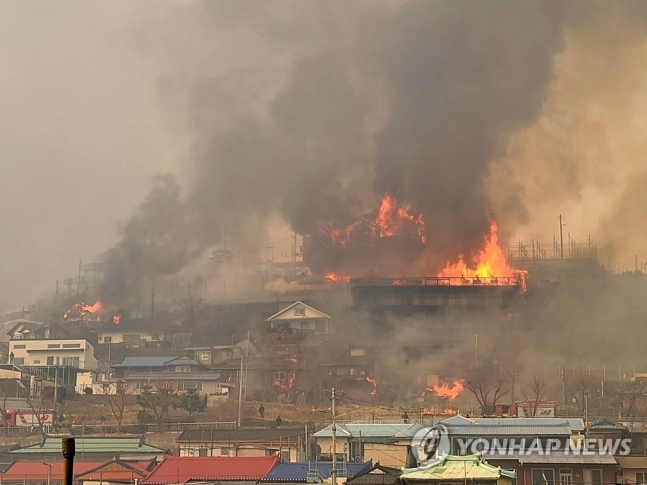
575, 424
183, 362
298, 472
146, 361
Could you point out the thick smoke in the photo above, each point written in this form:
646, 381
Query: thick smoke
316, 109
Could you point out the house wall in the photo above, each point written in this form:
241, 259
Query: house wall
524, 473
205, 387
53, 352
628, 475
291, 454
393, 455
324, 445
129, 338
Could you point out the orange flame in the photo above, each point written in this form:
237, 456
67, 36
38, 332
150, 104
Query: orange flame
447, 392
374, 382
336, 277
116, 319
489, 262
292, 380
81, 309
393, 219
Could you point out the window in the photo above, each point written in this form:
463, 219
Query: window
20, 346
53, 346
224, 451
285, 456
299, 311
321, 326
565, 476
71, 346
279, 376
640, 478
205, 355
593, 477
107, 340
190, 385
203, 452
132, 338
36, 362
50, 360
305, 325
17, 336
182, 368
71, 361
544, 476
19, 361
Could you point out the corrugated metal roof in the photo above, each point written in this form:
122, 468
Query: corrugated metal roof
470, 467
575, 424
298, 472
29, 471
127, 471
92, 445
377, 475
632, 461
495, 430
377, 430
146, 361
174, 469
241, 434
560, 458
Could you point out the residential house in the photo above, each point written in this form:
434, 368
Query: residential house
288, 443
633, 469
130, 334
460, 470
377, 475
605, 429
76, 353
184, 373
356, 363
28, 330
131, 448
115, 472
232, 470
219, 351
471, 435
302, 317
386, 443
560, 468
313, 472
51, 471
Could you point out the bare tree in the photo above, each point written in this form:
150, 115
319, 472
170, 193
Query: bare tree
117, 401
158, 399
37, 404
488, 385
628, 393
581, 387
3, 409
534, 392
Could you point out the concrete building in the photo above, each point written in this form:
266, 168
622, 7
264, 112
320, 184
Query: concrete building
76, 353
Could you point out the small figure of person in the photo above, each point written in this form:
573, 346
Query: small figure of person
261, 411
405, 417
11, 356
279, 421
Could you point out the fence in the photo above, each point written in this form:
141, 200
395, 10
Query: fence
179, 427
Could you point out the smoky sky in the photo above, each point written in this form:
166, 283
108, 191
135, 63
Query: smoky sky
309, 109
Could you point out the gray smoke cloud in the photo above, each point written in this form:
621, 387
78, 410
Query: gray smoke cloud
321, 108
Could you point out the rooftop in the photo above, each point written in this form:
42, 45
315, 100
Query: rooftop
298, 472
116, 445
117, 470
471, 467
576, 424
30, 471
154, 361
498, 430
174, 469
377, 475
372, 430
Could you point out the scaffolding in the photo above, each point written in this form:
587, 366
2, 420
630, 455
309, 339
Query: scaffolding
529, 250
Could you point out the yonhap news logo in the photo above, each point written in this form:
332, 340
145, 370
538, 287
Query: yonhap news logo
429, 444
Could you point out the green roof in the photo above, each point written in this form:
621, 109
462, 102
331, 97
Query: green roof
449, 467
51, 444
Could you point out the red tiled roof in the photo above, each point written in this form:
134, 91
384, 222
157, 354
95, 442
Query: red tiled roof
115, 476
30, 471
174, 469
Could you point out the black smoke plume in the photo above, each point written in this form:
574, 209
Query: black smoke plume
329, 105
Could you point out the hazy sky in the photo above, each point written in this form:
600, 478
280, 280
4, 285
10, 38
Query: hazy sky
81, 135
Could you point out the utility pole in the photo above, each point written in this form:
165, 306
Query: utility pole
78, 281
333, 469
514, 375
153, 301
476, 361
246, 364
561, 237
240, 392
294, 255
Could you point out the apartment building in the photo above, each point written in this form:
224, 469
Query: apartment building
77, 353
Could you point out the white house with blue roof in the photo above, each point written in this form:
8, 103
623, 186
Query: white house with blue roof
386, 443
184, 373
